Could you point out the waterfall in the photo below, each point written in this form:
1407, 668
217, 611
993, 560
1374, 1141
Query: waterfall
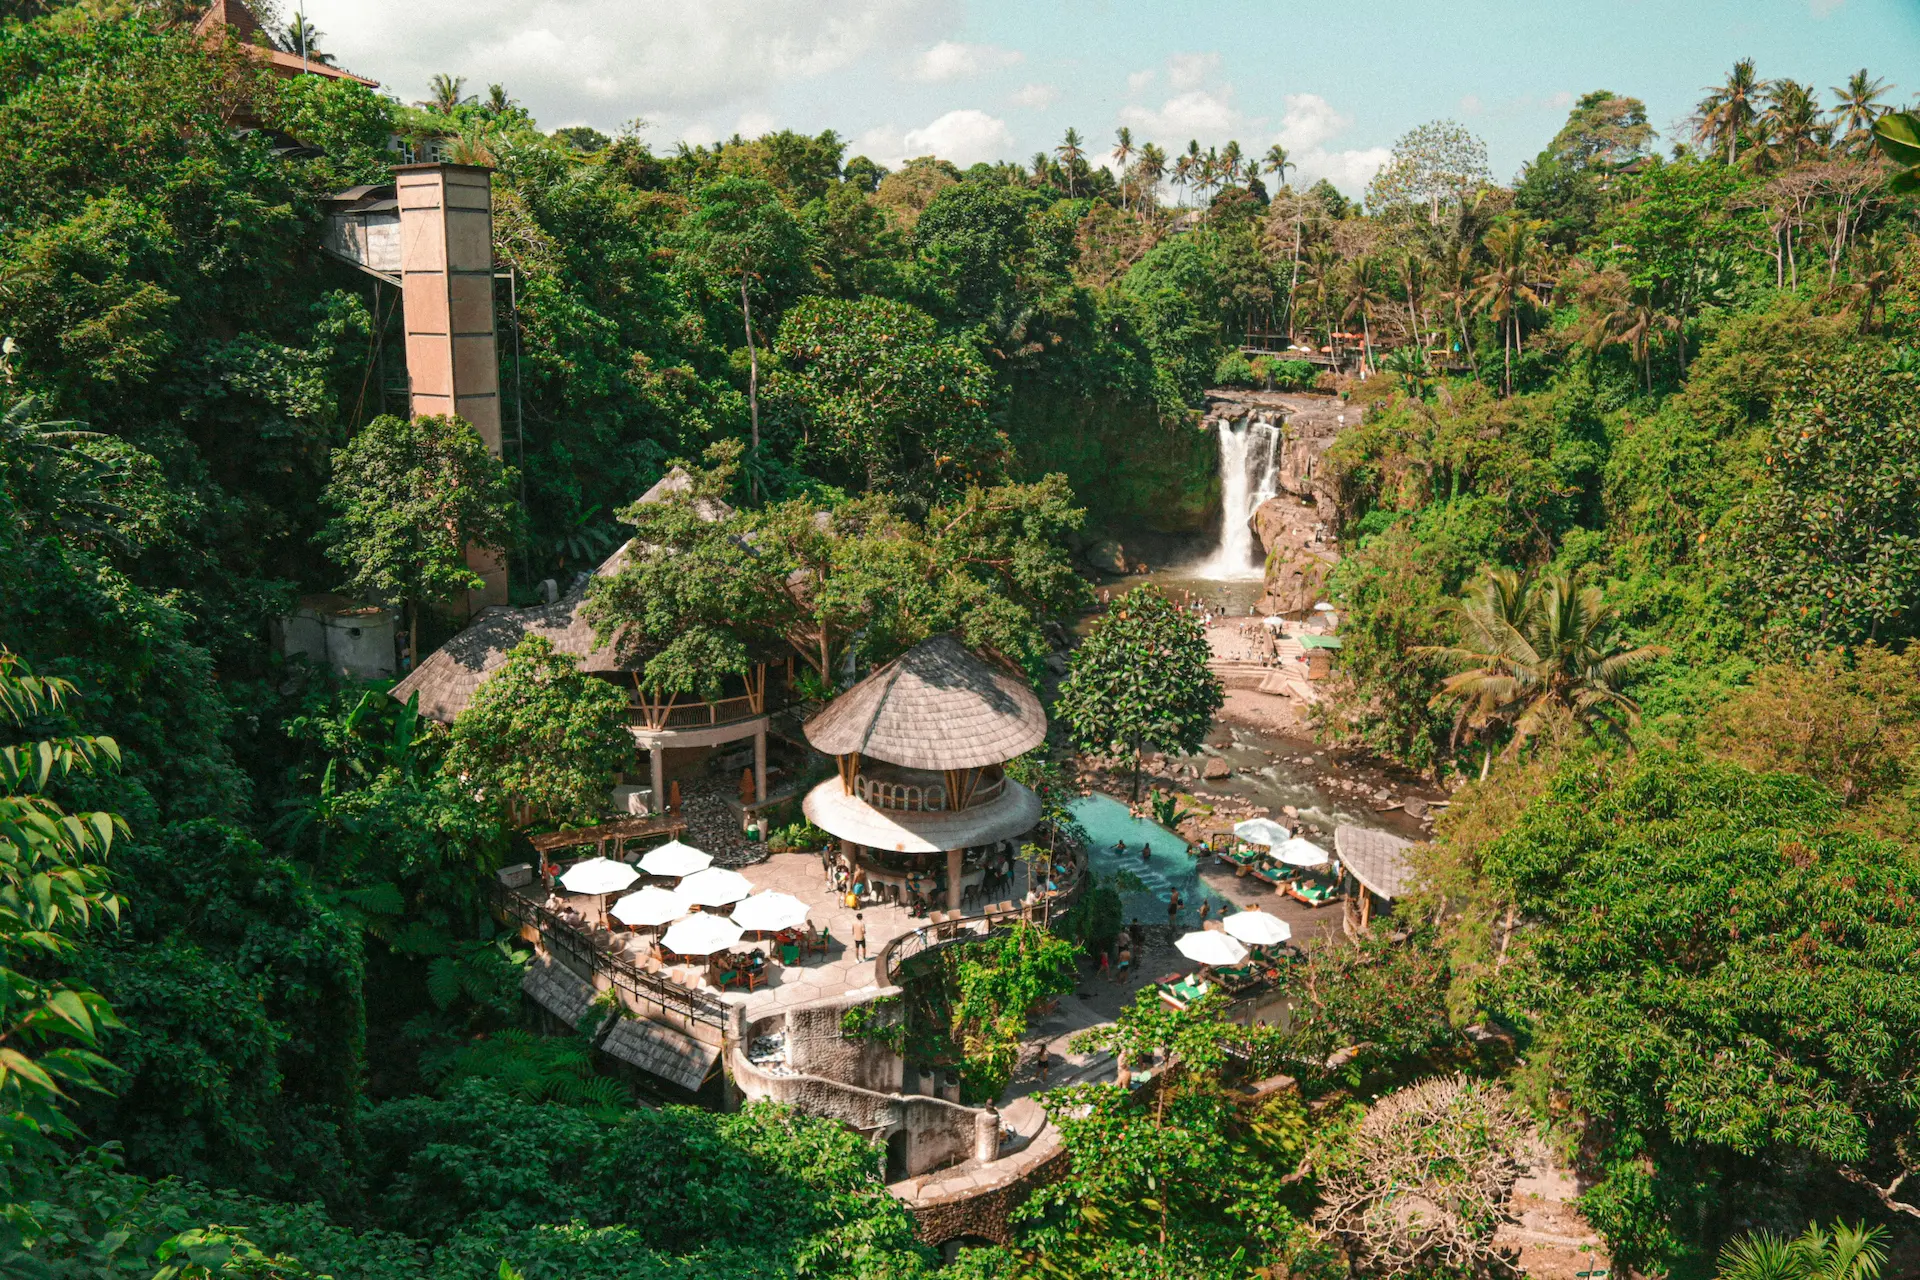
1249, 452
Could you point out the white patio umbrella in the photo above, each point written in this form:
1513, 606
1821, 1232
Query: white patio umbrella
770, 912
714, 887
1258, 928
1211, 947
700, 935
1301, 853
598, 875
1275, 620
1261, 831
675, 859
649, 906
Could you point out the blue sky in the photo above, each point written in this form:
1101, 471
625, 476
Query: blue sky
1335, 83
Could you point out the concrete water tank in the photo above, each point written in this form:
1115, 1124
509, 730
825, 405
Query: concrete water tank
351, 640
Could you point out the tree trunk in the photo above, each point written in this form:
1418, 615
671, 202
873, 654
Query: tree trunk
753, 389
1293, 285
413, 634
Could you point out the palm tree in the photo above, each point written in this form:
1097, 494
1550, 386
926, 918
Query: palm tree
1230, 162
1122, 153
1070, 153
498, 103
1413, 266
303, 38
1152, 168
1041, 163
1795, 119
1847, 1253
1182, 175
1533, 650
1278, 164
443, 94
1617, 314
1858, 106
1457, 275
1726, 111
1366, 289
1502, 290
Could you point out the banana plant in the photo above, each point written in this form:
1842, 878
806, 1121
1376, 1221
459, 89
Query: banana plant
1898, 136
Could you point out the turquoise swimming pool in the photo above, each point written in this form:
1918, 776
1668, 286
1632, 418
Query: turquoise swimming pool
1168, 865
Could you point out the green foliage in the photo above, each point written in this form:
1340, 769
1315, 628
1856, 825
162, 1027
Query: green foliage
884, 400
1845, 1253
53, 885
1178, 1178
710, 583
877, 1021
1140, 680
1699, 941
410, 498
1828, 538
972, 1002
540, 740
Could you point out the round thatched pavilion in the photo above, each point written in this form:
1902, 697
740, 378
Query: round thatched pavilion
923, 791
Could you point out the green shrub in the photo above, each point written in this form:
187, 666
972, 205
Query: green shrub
1233, 371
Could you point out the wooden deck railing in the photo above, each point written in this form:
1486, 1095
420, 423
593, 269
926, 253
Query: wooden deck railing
580, 945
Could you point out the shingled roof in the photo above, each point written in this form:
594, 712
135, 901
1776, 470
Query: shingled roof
1377, 859
666, 1052
936, 706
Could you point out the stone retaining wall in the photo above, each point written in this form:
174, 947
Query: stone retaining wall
978, 1202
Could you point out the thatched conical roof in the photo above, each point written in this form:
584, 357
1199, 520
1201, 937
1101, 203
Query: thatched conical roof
936, 706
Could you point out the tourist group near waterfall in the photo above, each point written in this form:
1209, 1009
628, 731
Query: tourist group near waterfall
889, 642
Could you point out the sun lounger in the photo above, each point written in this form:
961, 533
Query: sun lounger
1315, 893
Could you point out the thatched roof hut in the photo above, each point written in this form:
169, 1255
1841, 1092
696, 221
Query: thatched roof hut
936, 706
447, 678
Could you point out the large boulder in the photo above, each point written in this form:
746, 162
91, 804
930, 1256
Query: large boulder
1296, 579
1107, 556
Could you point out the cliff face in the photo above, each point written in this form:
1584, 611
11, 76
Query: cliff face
1295, 526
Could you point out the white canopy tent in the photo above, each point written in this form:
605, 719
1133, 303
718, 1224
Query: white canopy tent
1261, 831
649, 906
1302, 853
675, 859
1258, 928
714, 887
770, 912
1211, 947
598, 875
700, 935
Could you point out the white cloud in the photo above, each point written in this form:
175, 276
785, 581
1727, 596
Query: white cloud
1139, 80
680, 65
754, 123
951, 61
1470, 105
1035, 96
1307, 124
1197, 114
965, 137
1190, 70
1562, 100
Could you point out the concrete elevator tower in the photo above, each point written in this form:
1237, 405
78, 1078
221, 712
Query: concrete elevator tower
431, 236
446, 285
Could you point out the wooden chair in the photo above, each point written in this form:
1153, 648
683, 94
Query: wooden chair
790, 953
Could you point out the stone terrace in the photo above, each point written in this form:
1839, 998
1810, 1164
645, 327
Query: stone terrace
816, 977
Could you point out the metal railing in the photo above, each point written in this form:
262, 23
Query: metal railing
562, 937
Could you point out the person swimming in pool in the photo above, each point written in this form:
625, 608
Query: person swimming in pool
1146, 852
1119, 846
